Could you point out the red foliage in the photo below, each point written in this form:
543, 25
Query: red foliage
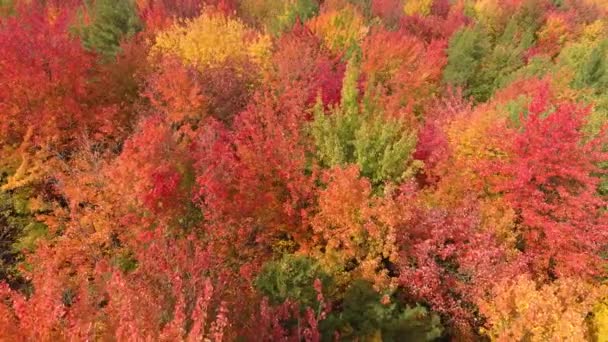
159, 14
154, 162
301, 61
405, 69
228, 88
170, 281
389, 10
253, 183
448, 261
440, 24
432, 146
171, 278
166, 188
175, 91
47, 76
549, 180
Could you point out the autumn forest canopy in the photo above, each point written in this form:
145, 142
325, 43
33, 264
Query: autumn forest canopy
304, 170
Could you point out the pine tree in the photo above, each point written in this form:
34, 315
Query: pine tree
112, 21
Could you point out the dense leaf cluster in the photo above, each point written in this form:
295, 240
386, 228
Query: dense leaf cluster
303, 170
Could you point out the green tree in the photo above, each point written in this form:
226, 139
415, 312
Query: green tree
367, 315
292, 277
361, 134
592, 73
112, 21
19, 232
481, 63
465, 51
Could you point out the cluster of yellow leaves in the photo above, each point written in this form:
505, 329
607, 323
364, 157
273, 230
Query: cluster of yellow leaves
340, 29
600, 321
32, 164
420, 7
594, 31
522, 310
490, 14
499, 218
472, 142
211, 39
468, 136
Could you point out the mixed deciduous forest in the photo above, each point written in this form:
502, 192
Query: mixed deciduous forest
303, 170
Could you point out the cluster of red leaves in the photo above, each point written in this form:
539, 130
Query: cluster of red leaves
448, 260
562, 219
441, 23
160, 14
404, 69
302, 62
45, 73
252, 180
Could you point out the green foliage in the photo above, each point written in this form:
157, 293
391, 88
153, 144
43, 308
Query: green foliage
481, 65
586, 59
19, 231
506, 57
591, 76
364, 316
537, 67
7, 7
517, 108
383, 150
32, 232
465, 51
298, 9
292, 277
112, 21
592, 72
381, 146
279, 15
125, 261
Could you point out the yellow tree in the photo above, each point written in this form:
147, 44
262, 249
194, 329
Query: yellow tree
210, 40
521, 309
340, 29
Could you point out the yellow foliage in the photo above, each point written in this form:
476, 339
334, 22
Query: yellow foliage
474, 138
600, 321
211, 39
32, 167
420, 7
491, 14
498, 217
520, 310
341, 29
469, 135
594, 32
260, 51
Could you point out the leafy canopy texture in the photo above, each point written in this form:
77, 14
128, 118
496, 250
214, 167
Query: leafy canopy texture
111, 22
303, 170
